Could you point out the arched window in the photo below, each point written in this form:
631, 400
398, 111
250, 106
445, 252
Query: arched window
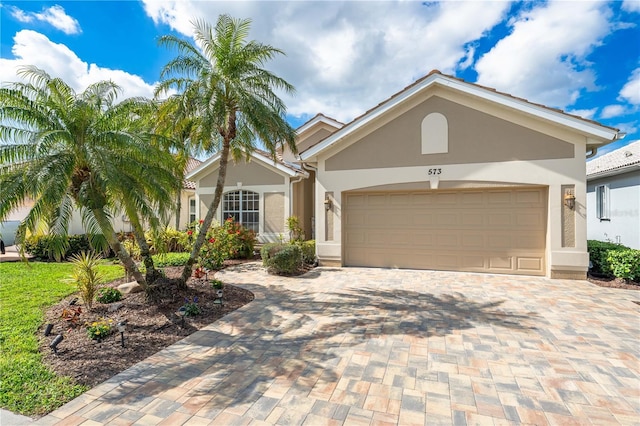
243, 207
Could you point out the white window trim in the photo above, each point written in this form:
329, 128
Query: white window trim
242, 192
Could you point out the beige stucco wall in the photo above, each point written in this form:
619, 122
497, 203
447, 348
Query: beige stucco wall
474, 137
408, 167
250, 173
255, 177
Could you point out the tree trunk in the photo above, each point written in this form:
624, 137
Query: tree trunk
178, 208
152, 273
120, 251
213, 207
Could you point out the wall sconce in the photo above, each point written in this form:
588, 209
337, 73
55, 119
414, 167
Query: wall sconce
570, 200
327, 204
122, 326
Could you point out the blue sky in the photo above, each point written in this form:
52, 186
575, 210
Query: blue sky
346, 57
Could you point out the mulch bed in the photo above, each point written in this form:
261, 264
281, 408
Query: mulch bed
613, 282
150, 328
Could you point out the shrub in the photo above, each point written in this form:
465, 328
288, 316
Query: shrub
227, 241
109, 295
598, 254
282, 259
296, 233
169, 240
624, 263
98, 330
308, 251
40, 246
86, 276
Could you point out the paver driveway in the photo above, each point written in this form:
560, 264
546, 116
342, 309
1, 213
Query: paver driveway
378, 346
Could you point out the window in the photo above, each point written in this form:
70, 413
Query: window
602, 202
192, 210
243, 207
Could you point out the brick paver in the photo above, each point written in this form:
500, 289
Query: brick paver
381, 347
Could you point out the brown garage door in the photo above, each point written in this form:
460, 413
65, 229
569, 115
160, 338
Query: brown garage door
490, 230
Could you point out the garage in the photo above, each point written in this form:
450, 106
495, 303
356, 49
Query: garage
496, 230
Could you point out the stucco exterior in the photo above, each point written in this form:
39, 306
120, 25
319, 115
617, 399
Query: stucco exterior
623, 224
617, 174
493, 140
273, 182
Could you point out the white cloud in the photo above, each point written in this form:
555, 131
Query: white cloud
54, 15
32, 48
611, 111
631, 5
543, 59
584, 113
345, 57
631, 91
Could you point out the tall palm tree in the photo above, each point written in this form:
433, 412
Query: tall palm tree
231, 97
68, 151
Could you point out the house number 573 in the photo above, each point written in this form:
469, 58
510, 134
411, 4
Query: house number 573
433, 172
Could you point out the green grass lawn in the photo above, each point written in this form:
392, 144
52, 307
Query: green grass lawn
26, 385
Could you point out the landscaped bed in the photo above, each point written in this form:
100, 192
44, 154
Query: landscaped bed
150, 328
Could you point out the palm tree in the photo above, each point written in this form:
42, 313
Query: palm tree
230, 97
68, 151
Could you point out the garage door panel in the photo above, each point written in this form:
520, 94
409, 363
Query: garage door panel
502, 231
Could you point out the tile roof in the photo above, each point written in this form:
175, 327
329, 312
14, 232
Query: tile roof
619, 159
192, 163
389, 101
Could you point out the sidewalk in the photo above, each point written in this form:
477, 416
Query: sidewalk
7, 418
11, 255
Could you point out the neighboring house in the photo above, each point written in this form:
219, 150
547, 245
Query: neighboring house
187, 208
449, 175
613, 196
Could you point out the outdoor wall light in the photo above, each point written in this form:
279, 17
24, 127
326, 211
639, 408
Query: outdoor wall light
570, 200
327, 204
47, 330
54, 344
122, 326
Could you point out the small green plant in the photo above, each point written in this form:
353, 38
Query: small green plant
217, 284
308, 251
170, 259
108, 295
86, 275
100, 329
625, 263
191, 308
296, 233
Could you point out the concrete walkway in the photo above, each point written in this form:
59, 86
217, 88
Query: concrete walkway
376, 347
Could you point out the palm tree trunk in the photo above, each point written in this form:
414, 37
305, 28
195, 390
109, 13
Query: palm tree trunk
178, 207
152, 273
120, 251
208, 219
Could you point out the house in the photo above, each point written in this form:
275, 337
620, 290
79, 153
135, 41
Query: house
613, 196
449, 175
444, 175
